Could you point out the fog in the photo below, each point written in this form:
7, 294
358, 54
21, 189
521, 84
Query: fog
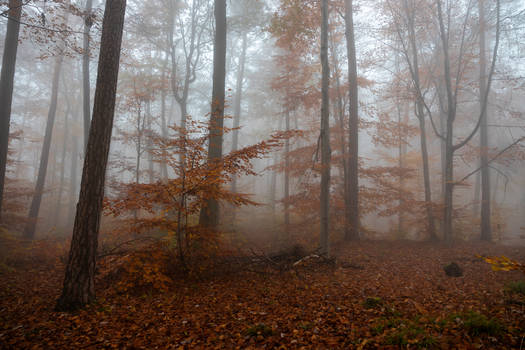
165, 72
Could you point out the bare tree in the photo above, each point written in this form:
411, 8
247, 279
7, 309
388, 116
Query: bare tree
29, 231
452, 86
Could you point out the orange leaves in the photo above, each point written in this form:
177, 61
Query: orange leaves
145, 270
502, 263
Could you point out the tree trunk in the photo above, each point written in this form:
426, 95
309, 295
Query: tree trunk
209, 215
164, 127
238, 100
149, 144
486, 234
341, 120
420, 114
79, 289
352, 211
86, 100
325, 135
73, 188
287, 178
29, 231
62, 168
7, 76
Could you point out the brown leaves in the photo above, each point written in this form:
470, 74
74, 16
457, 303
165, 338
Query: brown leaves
316, 307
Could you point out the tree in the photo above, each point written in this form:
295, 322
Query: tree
6, 85
451, 85
486, 233
86, 101
410, 53
209, 215
29, 231
79, 289
325, 134
352, 209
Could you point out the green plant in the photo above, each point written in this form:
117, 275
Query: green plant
477, 324
259, 329
516, 287
372, 302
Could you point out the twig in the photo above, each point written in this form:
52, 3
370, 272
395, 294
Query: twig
491, 160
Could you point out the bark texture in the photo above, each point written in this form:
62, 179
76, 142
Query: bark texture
86, 99
79, 288
7, 76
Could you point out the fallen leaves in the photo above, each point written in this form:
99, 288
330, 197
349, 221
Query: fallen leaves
319, 306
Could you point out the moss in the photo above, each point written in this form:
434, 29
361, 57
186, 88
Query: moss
259, 329
372, 302
516, 287
477, 324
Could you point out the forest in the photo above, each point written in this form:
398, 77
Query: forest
262, 174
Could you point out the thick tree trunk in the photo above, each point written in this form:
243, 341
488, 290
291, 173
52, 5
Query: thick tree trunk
486, 234
209, 215
29, 231
238, 100
352, 211
86, 99
325, 135
79, 289
7, 76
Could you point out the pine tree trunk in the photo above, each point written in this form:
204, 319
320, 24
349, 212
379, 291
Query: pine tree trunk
7, 76
86, 100
325, 135
79, 288
209, 215
352, 211
29, 231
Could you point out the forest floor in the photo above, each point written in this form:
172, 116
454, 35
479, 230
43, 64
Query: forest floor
377, 295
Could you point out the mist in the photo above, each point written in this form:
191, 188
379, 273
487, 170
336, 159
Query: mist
310, 138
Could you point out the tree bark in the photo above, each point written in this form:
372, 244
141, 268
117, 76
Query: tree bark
79, 288
287, 178
29, 231
86, 99
7, 76
486, 232
352, 211
209, 215
325, 135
